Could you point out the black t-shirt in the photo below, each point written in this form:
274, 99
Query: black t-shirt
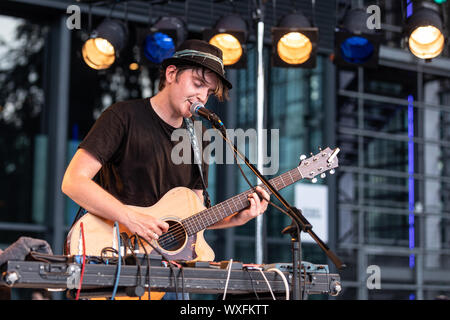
134, 146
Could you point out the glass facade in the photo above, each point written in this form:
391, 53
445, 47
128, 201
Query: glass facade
392, 216
23, 136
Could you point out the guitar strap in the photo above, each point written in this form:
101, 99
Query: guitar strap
198, 158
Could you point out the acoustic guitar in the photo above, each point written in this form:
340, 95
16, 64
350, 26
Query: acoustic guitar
187, 217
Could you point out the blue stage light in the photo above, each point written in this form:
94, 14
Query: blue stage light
158, 46
355, 43
357, 50
161, 40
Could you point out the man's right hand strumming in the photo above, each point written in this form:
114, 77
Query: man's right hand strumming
144, 225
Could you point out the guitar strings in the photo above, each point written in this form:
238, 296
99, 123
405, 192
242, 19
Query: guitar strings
179, 230
174, 235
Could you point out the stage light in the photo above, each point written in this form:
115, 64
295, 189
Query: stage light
294, 42
163, 39
133, 66
355, 44
105, 43
230, 35
424, 30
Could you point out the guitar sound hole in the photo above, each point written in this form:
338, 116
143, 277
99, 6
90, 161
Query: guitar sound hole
174, 238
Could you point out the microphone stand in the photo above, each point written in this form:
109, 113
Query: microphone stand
295, 231
298, 220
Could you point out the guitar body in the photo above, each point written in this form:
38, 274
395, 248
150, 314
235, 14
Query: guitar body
176, 205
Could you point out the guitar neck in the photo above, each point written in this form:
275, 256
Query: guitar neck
208, 217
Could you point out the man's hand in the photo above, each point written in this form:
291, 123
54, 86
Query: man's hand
145, 226
257, 207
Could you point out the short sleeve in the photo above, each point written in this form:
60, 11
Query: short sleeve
105, 136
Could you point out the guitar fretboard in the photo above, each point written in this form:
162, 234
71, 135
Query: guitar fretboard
208, 217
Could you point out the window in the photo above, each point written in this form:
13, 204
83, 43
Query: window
23, 138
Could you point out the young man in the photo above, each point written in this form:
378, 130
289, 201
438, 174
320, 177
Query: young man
126, 157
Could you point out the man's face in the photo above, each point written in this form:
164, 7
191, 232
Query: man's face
190, 86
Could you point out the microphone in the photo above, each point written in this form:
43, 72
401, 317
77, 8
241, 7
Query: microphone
197, 108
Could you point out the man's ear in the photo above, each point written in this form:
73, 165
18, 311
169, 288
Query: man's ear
171, 73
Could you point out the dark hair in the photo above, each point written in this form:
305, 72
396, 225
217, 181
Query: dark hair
221, 91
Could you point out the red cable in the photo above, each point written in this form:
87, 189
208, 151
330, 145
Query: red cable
84, 261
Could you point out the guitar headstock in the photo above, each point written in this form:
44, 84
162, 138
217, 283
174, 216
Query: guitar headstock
318, 164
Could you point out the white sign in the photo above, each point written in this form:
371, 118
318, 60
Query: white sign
312, 200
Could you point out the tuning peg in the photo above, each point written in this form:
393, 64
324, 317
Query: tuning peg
302, 157
323, 175
314, 180
332, 171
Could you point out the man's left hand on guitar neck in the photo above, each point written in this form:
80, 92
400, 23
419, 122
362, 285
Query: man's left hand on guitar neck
257, 207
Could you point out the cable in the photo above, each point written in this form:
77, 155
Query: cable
179, 266
84, 261
286, 285
304, 282
47, 258
182, 280
170, 264
251, 281
268, 284
119, 262
108, 249
127, 241
230, 264
148, 265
